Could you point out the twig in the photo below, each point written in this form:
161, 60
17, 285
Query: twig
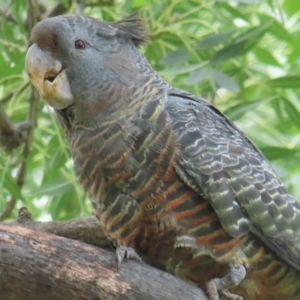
34, 14
57, 10
7, 97
6, 126
7, 15
100, 3
32, 119
11, 135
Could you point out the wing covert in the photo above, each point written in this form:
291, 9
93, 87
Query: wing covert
223, 165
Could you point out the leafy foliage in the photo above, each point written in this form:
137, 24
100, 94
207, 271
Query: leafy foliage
241, 55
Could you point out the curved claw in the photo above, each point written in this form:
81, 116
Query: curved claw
126, 252
220, 286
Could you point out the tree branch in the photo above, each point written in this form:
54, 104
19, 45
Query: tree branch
85, 229
36, 265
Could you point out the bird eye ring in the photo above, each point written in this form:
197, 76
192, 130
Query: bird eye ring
79, 44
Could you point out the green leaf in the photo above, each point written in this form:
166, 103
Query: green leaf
197, 76
239, 1
213, 40
242, 42
54, 188
175, 58
57, 160
225, 81
138, 3
285, 82
66, 206
274, 153
291, 6
65, 3
11, 185
237, 111
182, 70
233, 11
292, 111
277, 29
228, 52
253, 33
265, 56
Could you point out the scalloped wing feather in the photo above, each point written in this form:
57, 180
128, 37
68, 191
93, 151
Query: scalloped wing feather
219, 162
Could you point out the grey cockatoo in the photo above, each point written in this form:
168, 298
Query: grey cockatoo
170, 177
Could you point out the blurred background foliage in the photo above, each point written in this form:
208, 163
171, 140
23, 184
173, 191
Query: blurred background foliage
241, 55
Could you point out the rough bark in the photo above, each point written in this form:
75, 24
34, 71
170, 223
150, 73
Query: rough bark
35, 265
86, 229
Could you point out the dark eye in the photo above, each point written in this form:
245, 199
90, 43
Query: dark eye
79, 44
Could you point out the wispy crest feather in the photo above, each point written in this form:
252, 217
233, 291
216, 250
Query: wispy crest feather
133, 27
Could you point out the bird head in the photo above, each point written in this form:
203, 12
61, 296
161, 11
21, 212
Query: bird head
77, 59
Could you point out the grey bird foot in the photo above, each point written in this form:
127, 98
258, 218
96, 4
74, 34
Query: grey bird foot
218, 287
127, 253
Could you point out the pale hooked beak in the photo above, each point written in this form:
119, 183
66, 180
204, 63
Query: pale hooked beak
49, 77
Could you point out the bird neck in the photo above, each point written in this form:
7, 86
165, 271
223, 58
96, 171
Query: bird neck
136, 92
127, 89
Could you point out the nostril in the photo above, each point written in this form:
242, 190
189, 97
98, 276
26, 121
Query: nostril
51, 75
50, 78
